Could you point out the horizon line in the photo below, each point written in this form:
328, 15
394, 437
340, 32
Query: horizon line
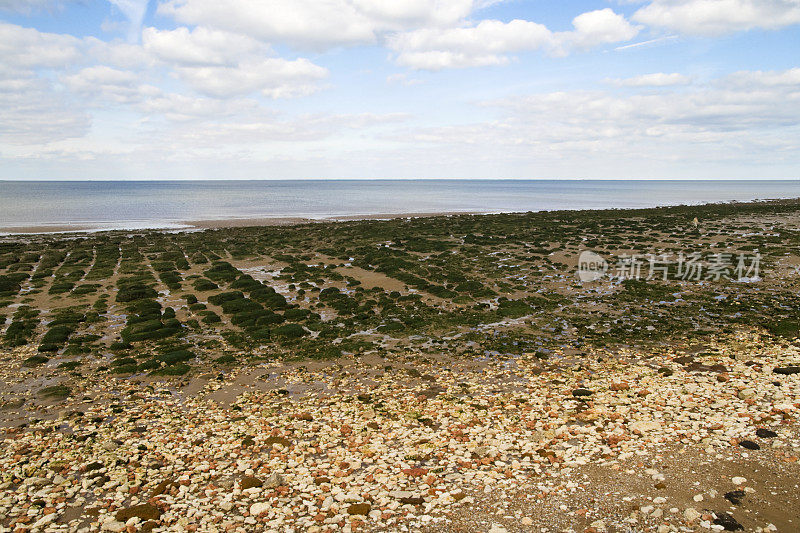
81, 180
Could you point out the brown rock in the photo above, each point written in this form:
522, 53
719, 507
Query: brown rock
359, 509
249, 482
278, 440
144, 511
162, 487
613, 440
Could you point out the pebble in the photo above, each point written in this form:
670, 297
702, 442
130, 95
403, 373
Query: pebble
691, 514
402, 460
746, 394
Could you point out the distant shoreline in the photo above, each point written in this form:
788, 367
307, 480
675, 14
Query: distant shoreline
244, 222
192, 225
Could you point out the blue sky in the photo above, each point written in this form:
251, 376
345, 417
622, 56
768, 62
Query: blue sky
276, 89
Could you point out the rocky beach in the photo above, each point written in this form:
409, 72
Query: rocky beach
627, 441
637, 421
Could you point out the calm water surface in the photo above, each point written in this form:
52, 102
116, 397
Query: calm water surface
151, 204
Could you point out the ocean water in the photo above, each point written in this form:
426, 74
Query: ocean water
169, 204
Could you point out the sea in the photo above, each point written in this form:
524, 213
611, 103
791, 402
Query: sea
103, 205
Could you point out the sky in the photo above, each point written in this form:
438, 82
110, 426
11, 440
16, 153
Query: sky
292, 89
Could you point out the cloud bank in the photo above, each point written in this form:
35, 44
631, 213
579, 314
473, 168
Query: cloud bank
245, 82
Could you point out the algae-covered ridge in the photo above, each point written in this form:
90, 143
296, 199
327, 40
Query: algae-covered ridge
473, 285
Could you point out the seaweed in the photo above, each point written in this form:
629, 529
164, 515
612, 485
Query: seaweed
204, 285
289, 331
56, 392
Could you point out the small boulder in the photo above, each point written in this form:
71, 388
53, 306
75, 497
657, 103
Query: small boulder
746, 394
271, 441
766, 433
362, 509
163, 487
691, 514
728, 522
249, 482
259, 508
144, 511
735, 496
274, 481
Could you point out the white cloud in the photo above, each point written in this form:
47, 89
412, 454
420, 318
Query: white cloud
260, 127
100, 75
658, 79
759, 78
32, 111
195, 94
599, 27
391, 14
274, 77
118, 54
49, 83
33, 114
182, 108
746, 119
27, 48
441, 59
200, 46
312, 23
222, 64
490, 41
319, 24
717, 17
37, 122
105, 84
